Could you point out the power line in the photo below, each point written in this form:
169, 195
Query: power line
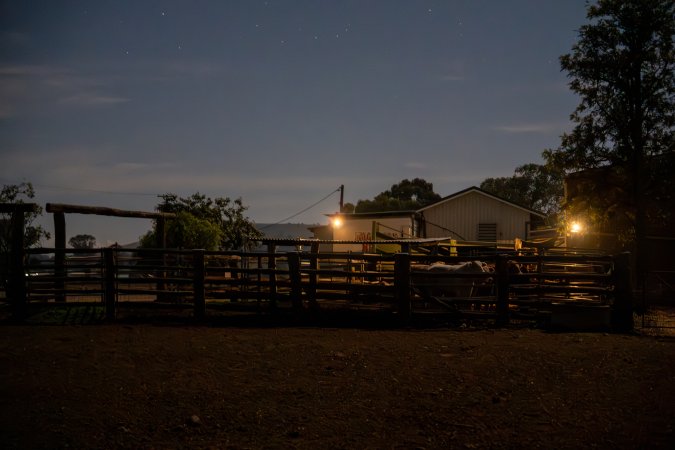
300, 212
157, 195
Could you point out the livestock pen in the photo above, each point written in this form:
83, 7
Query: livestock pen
511, 287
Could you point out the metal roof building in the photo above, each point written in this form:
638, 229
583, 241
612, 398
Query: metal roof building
476, 215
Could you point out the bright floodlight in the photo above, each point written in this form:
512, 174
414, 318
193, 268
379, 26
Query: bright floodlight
337, 222
576, 227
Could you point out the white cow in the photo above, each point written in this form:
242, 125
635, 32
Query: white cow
441, 280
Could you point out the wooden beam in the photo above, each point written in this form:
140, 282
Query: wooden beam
103, 211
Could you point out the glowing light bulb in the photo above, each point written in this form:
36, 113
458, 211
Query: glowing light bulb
576, 227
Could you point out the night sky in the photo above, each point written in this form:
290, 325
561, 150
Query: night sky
111, 103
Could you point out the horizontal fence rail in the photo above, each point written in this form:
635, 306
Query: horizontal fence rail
499, 287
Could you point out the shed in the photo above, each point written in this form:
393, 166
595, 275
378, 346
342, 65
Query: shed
476, 215
367, 227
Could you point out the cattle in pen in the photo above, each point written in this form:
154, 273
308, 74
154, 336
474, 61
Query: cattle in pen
449, 280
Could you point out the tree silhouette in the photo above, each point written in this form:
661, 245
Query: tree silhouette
622, 69
19, 193
538, 187
82, 241
203, 222
405, 195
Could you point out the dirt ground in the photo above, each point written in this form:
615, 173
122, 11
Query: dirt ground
145, 385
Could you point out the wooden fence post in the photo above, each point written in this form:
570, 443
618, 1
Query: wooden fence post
160, 236
296, 279
313, 276
540, 274
271, 267
17, 270
60, 255
109, 290
622, 309
502, 272
199, 274
402, 285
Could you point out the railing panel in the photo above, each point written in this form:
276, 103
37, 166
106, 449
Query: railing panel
508, 286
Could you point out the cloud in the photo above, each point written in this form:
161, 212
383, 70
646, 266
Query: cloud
25, 70
130, 166
31, 89
102, 176
15, 39
415, 165
6, 111
87, 169
28, 89
527, 128
91, 99
452, 70
195, 68
452, 78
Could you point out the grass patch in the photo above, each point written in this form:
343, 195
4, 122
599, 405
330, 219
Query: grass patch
67, 315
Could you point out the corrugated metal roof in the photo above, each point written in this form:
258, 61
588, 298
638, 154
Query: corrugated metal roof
367, 215
304, 241
487, 194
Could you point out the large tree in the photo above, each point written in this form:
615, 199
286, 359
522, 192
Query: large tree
202, 222
82, 241
405, 195
538, 187
34, 234
622, 69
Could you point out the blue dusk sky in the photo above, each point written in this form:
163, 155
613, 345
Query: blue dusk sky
110, 103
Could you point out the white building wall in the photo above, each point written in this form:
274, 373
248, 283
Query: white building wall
361, 230
463, 214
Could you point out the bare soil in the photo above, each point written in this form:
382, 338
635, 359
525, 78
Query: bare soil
160, 385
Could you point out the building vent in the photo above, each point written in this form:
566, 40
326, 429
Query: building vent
487, 232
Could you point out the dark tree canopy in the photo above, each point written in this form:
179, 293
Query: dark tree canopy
348, 208
82, 241
622, 69
406, 195
33, 235
532, 185
202, 222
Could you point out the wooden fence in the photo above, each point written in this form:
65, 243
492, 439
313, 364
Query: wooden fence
514, 287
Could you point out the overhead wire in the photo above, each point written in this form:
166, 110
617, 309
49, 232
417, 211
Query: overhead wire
300, 212
157, 195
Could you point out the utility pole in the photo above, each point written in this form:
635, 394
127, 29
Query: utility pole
342, 196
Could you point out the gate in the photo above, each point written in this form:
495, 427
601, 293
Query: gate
504, 288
